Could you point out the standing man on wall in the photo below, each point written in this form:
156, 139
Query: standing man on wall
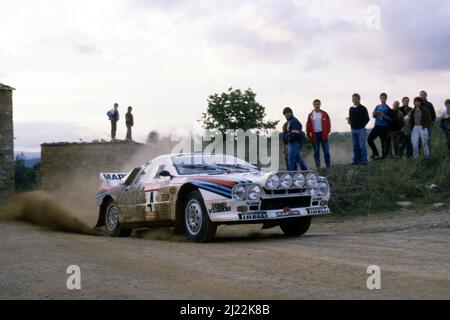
382, 119
113, 116
358, 120
294, 141
318, 128
129, 122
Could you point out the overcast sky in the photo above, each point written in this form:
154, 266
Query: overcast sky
71, 60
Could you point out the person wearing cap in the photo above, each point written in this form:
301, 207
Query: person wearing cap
318, 129
293, 141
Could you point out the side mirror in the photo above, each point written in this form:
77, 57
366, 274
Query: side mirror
165, 174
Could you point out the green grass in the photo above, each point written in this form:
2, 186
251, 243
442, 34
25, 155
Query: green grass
377, 188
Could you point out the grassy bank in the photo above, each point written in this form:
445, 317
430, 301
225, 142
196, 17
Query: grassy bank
379, 186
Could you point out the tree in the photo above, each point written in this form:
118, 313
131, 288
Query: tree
234, 110
153, 136
25, 178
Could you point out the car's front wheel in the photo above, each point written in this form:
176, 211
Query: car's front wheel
198, 227
296, 226
112, 223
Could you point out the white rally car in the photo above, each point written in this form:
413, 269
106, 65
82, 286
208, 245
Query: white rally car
197, 192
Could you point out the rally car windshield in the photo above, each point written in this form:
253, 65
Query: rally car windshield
210, 164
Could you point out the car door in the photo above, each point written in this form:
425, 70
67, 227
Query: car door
157, 194
132, 198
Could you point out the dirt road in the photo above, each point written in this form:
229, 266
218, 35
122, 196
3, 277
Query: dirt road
330, 262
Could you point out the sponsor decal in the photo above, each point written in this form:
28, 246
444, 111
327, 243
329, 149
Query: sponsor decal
219, 207
252, 216
318, 211
113, 176
288, 212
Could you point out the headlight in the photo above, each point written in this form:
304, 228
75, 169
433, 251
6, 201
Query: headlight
311, 180
253, 192
324, 188
239, 193
299, 180
315, 191
286, 181
273, 182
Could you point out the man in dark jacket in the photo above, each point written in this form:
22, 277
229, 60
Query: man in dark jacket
430, 108
395, 127
129, 121
293, 139
445, 122
358, 120
419, 122
114, 118
405, 140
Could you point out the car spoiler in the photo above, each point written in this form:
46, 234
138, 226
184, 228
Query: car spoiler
111, 179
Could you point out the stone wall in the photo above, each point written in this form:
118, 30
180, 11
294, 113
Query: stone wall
64, 163
6, 144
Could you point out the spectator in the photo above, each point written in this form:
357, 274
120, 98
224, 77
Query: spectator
129, 121
318, 128
405, 139
395, 127
113, 115
358, 120
382, 119
294, 141
418, 124
430, 108
445, 122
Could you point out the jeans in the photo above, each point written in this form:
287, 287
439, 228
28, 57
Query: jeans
447, 134
359, 146
326, 150
395, 142
405, 145
129, 135
113, 129
294, 157
382, 133
430, 132
420, 134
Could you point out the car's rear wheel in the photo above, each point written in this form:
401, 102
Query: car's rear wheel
198, 227
296, 226
112, 223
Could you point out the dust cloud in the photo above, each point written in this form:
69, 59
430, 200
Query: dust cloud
71, 205
43, 209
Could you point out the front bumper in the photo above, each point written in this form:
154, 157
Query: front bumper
245, 212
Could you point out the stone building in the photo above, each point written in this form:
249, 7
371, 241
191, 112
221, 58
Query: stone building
66, 163
6, 143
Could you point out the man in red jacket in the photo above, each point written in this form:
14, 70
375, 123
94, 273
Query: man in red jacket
318, 128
